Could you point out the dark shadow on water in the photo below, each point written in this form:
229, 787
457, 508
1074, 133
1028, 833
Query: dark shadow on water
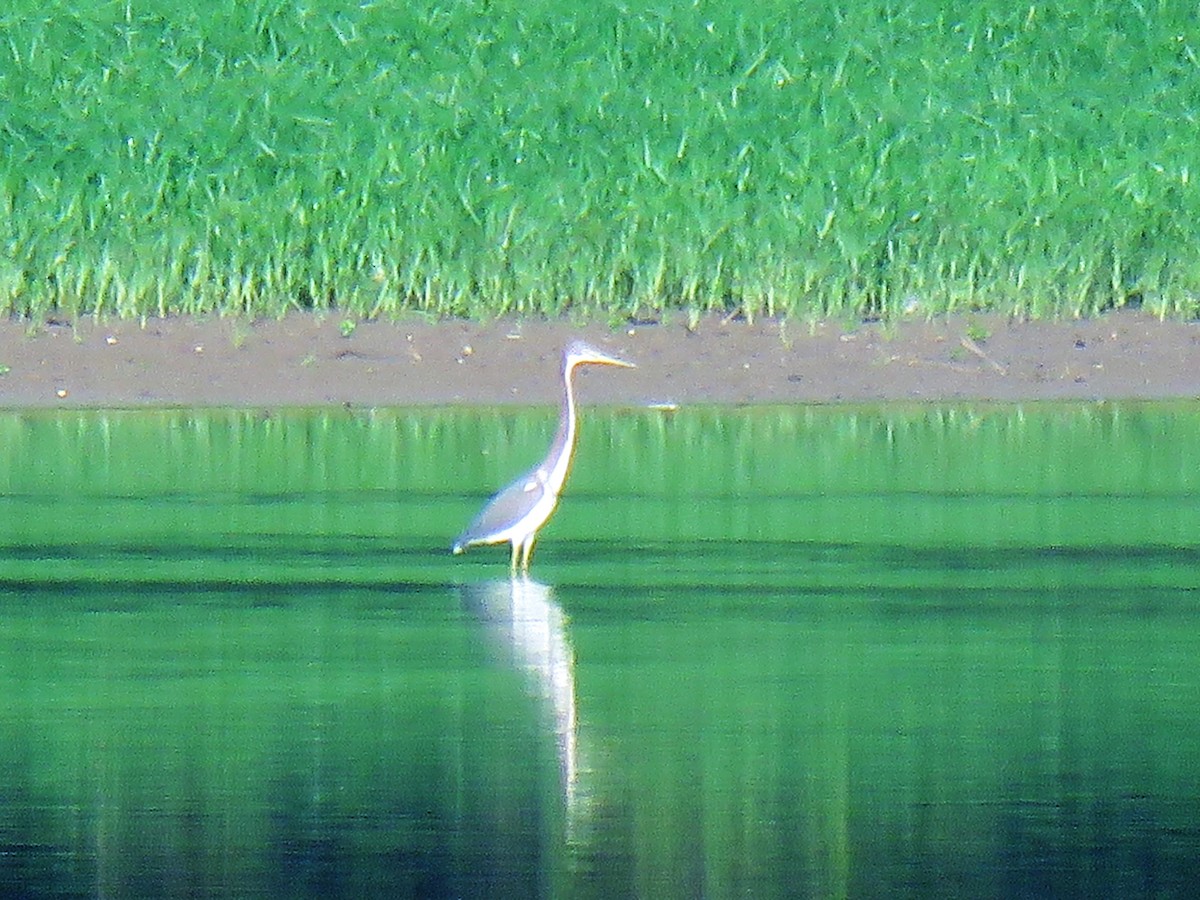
30, 864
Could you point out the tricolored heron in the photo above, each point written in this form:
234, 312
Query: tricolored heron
517, 512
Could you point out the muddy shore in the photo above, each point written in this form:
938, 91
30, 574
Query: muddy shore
308, 360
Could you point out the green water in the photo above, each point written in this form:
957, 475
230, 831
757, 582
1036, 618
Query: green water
805, 652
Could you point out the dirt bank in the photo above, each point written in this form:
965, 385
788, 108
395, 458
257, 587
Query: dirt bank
306, 360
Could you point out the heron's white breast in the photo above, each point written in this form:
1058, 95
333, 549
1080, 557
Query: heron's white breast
538, 513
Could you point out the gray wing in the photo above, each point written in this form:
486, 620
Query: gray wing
504, 509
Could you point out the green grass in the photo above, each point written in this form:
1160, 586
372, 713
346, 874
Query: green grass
456, 159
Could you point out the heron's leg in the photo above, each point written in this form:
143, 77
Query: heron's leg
527, 553
516, 549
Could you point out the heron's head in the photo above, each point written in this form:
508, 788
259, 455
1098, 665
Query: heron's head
580, 354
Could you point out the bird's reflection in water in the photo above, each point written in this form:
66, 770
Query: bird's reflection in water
522, 615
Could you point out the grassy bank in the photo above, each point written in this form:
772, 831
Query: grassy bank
853, 158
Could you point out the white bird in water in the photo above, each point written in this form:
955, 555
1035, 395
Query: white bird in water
517, 512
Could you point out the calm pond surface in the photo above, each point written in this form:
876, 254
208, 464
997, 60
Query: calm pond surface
827, 652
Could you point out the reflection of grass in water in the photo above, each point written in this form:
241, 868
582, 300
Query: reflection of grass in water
648, 488
796, 632
384, 157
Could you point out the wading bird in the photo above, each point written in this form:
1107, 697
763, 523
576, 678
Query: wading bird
517, 512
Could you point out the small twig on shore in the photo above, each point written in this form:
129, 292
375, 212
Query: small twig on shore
978, 351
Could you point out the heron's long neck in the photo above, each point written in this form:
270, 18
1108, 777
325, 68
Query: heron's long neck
564, 440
